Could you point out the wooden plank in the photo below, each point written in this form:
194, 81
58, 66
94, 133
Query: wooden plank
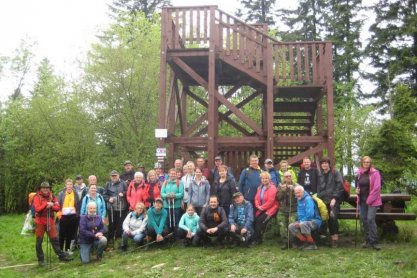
269, 148
235, 49
183, 109
291, 61
177, 24
387, 197
288, 117
314, 63
238, 65
205, 25
306, 63
187, 140
198, 26
284, 62
163, 76
320, 66
294, 106
330, 107
184, 24
280, 140
380, 216
191, 34
228, 37
299, 77
211, 87
308, 152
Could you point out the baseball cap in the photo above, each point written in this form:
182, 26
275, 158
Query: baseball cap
268, 160
114, 173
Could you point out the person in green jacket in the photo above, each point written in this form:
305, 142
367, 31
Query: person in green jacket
188, 226
172, 192
157, 217
284, 166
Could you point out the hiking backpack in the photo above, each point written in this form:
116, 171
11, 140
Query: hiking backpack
324, 213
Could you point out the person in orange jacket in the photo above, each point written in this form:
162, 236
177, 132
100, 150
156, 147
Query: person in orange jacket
45, 204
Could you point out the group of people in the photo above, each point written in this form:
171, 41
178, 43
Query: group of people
195, 204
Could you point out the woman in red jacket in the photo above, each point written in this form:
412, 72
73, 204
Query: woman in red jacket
45, 205
137, 191
266, 205
153, 189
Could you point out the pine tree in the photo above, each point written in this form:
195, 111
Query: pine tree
305, 23
258, 11
393, 48
147, 7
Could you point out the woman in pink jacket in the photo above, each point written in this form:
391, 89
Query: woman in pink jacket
266, 205
368, 188
137, 191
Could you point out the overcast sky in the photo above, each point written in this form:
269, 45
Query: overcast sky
64, 29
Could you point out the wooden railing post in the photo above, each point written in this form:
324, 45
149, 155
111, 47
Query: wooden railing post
212, 100
163, 76
269, 151
328, 74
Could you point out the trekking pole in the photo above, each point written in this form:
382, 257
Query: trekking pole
173, 211
356, 219
48, 243
288, 222
169, 212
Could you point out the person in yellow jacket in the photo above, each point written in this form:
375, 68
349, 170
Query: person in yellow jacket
284, 167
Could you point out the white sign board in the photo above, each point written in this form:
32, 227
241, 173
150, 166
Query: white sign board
161, 152
161, 133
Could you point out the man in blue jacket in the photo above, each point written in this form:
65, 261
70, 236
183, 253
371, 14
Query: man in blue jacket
308, 219
240, 219
269, 167
249, 179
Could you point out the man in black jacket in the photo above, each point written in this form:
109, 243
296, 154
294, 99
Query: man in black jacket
308, 176
115, 197
213, 222
129, 173
330, 189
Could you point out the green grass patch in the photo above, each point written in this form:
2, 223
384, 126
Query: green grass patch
397, 259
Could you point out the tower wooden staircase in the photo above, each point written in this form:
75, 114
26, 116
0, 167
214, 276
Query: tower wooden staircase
213, 60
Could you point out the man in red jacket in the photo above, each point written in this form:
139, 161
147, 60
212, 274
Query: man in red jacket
45, 205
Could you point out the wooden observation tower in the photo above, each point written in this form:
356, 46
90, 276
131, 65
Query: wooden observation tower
214, 61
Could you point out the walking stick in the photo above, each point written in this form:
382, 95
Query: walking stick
288, 222
169, 212
173, 211
356, 219
48, 243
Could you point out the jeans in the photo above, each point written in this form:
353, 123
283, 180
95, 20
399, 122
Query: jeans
304, 227
138, 238
98, 245
368, 215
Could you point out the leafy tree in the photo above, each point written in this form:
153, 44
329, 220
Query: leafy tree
392, 49
258, 11
121, 87
147, 7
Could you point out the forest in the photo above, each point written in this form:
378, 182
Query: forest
108, 115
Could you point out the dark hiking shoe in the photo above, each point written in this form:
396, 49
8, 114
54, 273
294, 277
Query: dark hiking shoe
376, 246
310, 246
65, 258
366, 245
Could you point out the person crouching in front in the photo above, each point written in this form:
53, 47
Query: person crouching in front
91, 234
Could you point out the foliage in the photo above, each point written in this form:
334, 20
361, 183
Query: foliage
258, 11
121, 87
147, 7
392, 48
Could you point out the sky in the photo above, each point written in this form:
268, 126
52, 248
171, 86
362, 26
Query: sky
63, 30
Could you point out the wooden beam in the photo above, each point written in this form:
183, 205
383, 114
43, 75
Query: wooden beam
330, 113
251, 123
298, 140
211, 87
269, 119
195, 125
188, 140
163, 76
308, 152
298, 106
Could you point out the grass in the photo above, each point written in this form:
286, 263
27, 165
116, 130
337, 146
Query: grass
397, 258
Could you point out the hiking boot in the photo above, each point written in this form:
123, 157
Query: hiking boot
310, 246
366, 244
123, 248
376, 246
65, 258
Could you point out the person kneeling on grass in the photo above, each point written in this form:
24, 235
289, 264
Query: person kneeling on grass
91, 234
308, 219
134, 226
213, 222
240, 219
157, 218
188, 226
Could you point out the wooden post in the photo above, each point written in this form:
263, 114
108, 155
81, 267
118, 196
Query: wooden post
163, 77
269, 152
330, 114
212, 100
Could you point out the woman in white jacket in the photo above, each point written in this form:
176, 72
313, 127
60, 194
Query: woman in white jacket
134, 226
